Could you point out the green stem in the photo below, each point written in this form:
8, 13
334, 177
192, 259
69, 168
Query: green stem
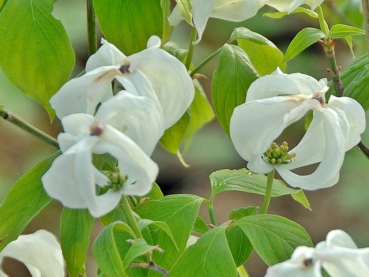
132, 220
323, 25
242, 272
191, 47
211, 212
204, 62
365, 5
268, 192
91, 28
28, 127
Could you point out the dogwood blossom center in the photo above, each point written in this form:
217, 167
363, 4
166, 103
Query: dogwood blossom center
276, 154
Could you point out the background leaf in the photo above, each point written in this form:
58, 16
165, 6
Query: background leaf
23, 202
75, 230
35, 51
167, 29
298, 10
231, 80
185, 6
245, 181
263, 54
274, 237
355, 80
342, 31
209, 256
301, 41
239, 244
180, 213
128, 24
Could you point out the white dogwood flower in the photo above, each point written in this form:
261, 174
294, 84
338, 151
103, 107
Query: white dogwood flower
231, 10
152, 72
40, 252
338, 255
122, 126
290, 5
275, 101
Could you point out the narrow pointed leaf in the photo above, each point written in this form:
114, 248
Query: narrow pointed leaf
35, 51
273, 237
139, 248
180, 213
128, 24
301, 41
209, 256
185, 6
167, 28
245, 181
23, 202
298, 10
231, 80
75, 230
342, 31
106, 251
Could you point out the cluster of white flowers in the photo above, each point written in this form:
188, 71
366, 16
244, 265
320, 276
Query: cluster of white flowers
234, 10
338, 255
275, 101
157, 91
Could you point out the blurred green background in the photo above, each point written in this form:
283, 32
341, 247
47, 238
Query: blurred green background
343, 206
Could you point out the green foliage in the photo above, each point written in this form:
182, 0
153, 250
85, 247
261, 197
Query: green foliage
245, 181
239, 244
180, 213
301, 41
209, 256
298, 10
274, 237
2, 4
355, 80
167, 28
106, 249
36, 54
242, 212
231, 80
128, 24
75, 230
263, 53
342, 31
139, 248
23, 202
200, 226
185, 6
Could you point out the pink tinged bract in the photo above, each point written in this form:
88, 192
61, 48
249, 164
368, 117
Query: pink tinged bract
40, 252
275, 101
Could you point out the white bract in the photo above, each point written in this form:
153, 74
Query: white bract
231, 10
151, 72
339, 256
40, 252
275, 101
290, 5
122, 126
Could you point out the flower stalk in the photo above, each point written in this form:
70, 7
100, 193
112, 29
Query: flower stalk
91, 28
8, 116
268, 192
132, 221
204, 62
191, 47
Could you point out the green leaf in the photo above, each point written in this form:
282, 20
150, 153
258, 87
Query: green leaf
209, 256
239, 245
167, 28
2, 4
106, 251
128, 24
139, 248
355, 80
23, 202
180, 213
274, 237
263, 53
173, 136
242, 212
200, 226
201, 113
75, 231
1, 107
298, 10
349, 42
231, 80
301, 41
144, 223
245, 181
342, 31
185, 6
36, 54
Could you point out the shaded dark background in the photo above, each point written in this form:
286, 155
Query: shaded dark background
343, 206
